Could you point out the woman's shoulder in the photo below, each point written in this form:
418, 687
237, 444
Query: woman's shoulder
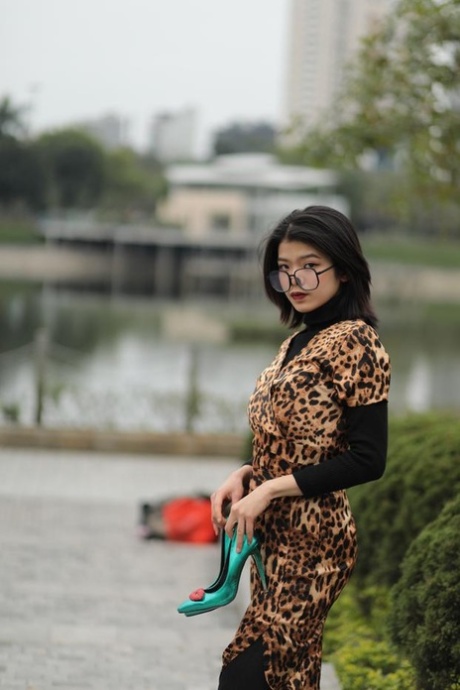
355, 328
360, 364
354, 335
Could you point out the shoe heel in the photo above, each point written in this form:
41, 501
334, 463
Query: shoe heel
256, 557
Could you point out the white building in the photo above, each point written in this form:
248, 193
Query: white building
110, 130
173, 135
243, 195
323, 36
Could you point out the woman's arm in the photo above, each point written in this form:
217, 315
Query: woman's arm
364, 460
244, 512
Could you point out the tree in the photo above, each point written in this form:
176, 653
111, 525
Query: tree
133, 184
22, 175
76, 166
11, 120
400, 101
245, 137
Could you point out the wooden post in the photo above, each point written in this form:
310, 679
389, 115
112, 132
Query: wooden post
192, 401
40, 347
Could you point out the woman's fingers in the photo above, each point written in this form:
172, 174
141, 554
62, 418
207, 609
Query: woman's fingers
218, 520
240, 531
243, 524
249, 530
230, 492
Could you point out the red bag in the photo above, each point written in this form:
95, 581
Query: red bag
188, 519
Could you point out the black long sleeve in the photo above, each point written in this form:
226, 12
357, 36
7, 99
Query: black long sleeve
364, 461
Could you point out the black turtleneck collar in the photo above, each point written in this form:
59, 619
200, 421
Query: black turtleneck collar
325, 314
314, 321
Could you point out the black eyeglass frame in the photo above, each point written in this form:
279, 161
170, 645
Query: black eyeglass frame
274, 275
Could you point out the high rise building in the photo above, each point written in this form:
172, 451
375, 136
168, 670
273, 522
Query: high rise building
323, 36
173, 135
110, 130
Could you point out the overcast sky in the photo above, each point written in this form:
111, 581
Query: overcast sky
80, 60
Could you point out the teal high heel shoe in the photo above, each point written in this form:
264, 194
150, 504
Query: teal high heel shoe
224, 589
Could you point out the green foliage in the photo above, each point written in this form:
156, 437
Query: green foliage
133, 184
411, 252
423, 473
400, 99
11, 412
11, 120
245, 330
18, 231
76, 169
242, 138
22, 175
411, 516
371, 665
425, 618
362, 656
385, 199
68, 169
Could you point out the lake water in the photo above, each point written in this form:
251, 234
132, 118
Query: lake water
132, 364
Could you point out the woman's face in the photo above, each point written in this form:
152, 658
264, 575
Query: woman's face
294, 255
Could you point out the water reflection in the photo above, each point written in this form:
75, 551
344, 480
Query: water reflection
419, 385
139, 364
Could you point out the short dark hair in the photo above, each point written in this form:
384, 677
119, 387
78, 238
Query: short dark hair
333, 234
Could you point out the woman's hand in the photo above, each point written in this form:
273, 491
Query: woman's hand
231, 491
245, 511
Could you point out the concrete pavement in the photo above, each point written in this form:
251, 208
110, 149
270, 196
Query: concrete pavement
85, 605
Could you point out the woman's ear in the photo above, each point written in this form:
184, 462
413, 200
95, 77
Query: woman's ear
343, 278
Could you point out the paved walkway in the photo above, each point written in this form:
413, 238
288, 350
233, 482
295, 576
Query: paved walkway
85, 605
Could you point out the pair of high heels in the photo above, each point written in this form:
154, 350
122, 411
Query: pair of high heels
224, 589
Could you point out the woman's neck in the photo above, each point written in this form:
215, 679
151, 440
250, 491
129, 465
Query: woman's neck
328, 312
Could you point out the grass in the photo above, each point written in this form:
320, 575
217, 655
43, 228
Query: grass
414, 251
19, 231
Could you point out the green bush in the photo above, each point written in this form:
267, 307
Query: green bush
423, 473
356, 645
372, 665
418, 499
425, 616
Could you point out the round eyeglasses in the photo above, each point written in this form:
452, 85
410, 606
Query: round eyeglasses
305, 278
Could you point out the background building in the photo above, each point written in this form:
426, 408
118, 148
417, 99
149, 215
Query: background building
323, 36
110, 130
242, 195
173, 135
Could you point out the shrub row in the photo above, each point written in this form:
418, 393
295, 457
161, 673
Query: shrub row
409, 540
363, 657
422, 475
425, 612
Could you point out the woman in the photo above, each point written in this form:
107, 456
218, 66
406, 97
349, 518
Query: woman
319, 421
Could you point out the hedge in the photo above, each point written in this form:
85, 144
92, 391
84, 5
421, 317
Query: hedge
423, 473
363, 657
408, 528
425, 613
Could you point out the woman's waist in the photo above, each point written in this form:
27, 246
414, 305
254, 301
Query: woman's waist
275, 456
310, 526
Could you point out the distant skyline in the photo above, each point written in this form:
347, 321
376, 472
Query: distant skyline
73, 61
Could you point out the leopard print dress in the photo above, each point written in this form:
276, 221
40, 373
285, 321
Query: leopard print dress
308, 545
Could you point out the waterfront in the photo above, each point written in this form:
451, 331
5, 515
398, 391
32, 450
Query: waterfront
145, 364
